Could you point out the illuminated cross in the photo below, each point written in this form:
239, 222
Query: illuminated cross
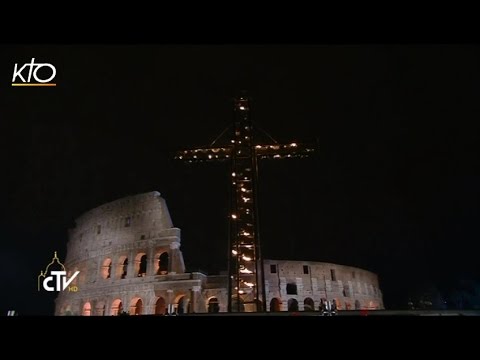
246, 285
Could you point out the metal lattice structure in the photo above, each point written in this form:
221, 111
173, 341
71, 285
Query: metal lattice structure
246, 287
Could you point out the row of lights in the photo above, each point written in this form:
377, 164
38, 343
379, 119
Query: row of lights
243, 269
215, 150
273, 147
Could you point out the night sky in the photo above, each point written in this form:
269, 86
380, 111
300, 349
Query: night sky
394, 187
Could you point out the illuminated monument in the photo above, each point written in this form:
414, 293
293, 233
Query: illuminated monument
128, 252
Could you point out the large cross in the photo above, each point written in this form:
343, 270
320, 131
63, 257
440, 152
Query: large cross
246, 283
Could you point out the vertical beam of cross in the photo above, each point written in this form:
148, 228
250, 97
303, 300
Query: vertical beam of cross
246, 284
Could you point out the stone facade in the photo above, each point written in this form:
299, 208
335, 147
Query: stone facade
129, 258
303, 285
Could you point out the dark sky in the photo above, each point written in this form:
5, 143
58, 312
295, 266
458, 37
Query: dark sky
394, 187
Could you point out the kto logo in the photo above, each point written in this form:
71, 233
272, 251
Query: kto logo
33, 71
57, 279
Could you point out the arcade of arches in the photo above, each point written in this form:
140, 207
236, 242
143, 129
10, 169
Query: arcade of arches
182, 305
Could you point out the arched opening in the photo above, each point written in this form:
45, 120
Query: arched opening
275, 304
292, 305
107, 268
180, 305
163, 264
122, 267
136, 306
117, 307
308, 305
160, 306
357, 305
141, 264
87, 309
183, 305
213, 306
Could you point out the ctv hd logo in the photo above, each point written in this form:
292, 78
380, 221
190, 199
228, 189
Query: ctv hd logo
56, 280
22, 75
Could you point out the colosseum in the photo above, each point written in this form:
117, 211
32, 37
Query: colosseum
129, 258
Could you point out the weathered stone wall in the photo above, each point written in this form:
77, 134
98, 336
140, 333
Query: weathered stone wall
139, 227
107, 246
352, 288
